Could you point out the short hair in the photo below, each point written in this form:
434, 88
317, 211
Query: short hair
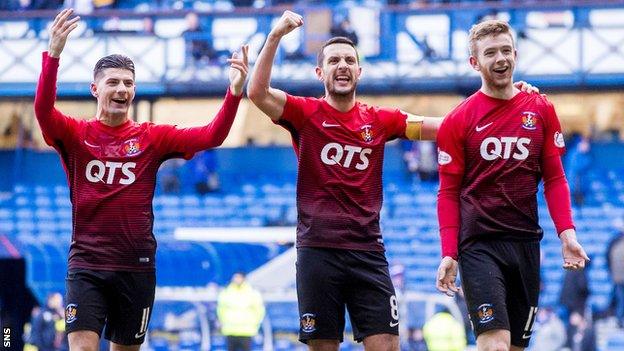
335, 40
485, 28
113, 61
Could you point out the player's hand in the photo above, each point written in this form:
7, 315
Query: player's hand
239, 67
574, 256
59, 31
526, 87
286, 24
447, 273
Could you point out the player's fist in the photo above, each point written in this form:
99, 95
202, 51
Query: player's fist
59, 31
447, 273
287, 23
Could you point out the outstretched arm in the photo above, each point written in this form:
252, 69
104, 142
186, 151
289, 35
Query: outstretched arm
52, 122
270, 100
191, 140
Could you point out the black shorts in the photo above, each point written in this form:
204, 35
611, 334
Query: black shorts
330, 279
120, 300
501, 281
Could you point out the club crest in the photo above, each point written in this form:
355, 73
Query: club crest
366, 133
131, 147
529, 121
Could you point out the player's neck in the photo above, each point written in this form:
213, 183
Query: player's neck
505, 93
342, 103
111, 120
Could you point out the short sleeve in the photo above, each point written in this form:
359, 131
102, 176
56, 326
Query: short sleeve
394, 122
554, 144
451, 140
296, 112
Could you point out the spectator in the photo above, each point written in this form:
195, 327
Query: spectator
549, 333
574, 291
615, 265
574, 294
148, 26
198, 46
204, 168
343, 28
422, 159
47, 329
240, 310
242, 3
579, 161
581, 336
415, 340
83, 7
170, 176
443, 333
103, 4
26, 5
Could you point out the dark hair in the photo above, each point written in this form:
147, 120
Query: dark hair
335, 40
113, 61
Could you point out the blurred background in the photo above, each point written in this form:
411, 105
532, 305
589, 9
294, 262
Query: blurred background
233, 209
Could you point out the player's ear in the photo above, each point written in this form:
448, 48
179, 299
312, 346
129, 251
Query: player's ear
93, 89
474, 63
319, 73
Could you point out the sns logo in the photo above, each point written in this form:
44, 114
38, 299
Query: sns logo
335, 154
493, 148
97, 170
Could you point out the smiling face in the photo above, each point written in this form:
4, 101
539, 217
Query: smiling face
493, 53
339, 70
114, 89
495, 59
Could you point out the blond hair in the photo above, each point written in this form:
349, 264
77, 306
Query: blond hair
485, 28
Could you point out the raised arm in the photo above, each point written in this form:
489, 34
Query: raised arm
52, 122
191, 140
270, 100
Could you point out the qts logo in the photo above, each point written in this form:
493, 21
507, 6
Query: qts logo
100, 172
336, 154
506, 147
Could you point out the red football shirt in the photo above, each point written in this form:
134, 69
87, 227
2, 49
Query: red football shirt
498, 146
339, 188
112, 175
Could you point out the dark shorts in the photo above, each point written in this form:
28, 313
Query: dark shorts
330, 279
120, 300
501, 282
